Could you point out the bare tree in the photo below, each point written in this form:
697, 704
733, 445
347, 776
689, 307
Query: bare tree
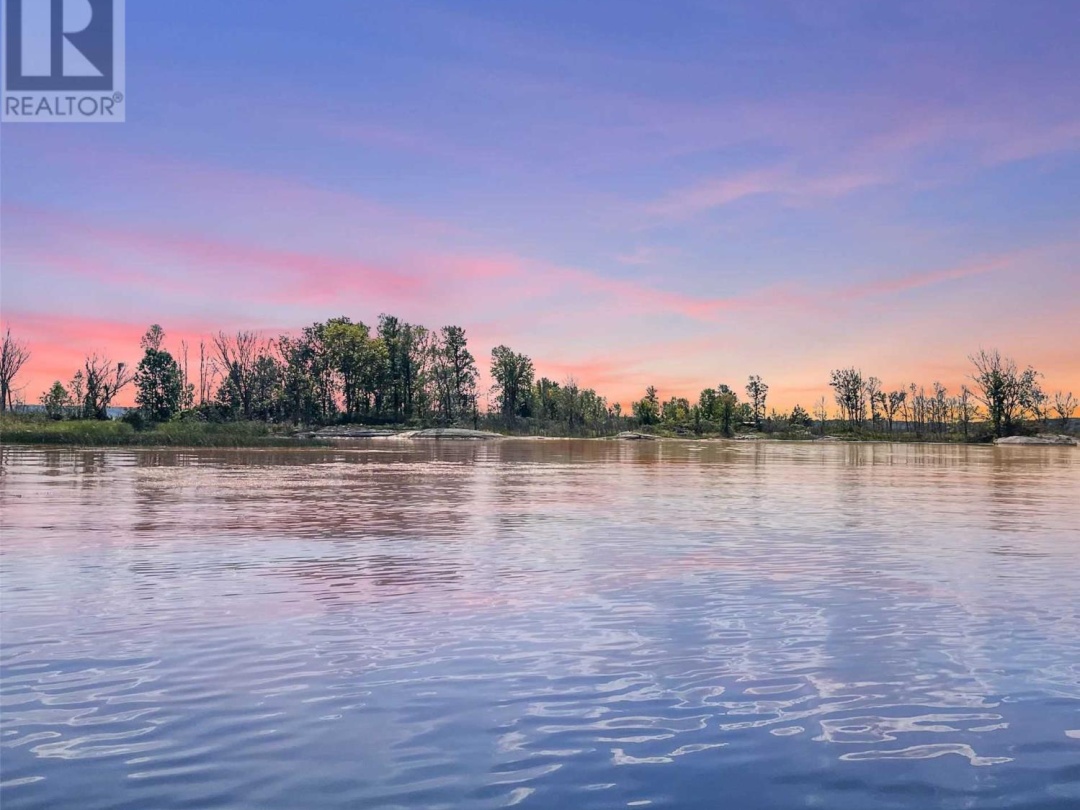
821, 413
1065, 405
237, 356
13, 356
78, 395
918, 408
103, 380
872, 387
966, 409
1038, 403
206, 373
939, 409
153, 338
891, 404
188, 396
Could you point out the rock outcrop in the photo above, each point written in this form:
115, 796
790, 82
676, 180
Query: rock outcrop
353, 432
1042, 438
364, 432
451, 433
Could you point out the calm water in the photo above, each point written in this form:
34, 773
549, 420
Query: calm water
542, 624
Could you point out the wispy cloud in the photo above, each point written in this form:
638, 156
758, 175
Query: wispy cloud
642, 255
891, 285
782, 182
627, 202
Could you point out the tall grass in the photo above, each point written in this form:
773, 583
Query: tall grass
93, 433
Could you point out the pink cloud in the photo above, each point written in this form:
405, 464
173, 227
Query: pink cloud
718, 192
289, 276
631, 295
274, 274
459, 287
1021, 145
912, 281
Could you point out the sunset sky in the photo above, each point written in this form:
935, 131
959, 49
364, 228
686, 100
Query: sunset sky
632, 193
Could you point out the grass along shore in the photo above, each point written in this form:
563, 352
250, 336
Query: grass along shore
115, 433
35, 429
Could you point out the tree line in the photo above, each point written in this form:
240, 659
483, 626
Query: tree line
343, 371
1003, 398
337, 371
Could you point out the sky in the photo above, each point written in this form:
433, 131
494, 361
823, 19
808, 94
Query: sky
676, 194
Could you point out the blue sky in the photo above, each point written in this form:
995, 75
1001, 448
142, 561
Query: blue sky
675, 194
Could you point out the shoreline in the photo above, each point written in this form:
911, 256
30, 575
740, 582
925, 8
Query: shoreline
260, 435
349, 443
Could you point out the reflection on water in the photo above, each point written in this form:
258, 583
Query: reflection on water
559, 623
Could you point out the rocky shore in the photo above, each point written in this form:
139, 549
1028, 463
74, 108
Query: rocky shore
633, 436
365, 432
361, 432
1042, 438
451, 433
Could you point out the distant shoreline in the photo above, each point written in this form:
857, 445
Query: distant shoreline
244, 435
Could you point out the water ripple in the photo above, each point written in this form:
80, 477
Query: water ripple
540, 624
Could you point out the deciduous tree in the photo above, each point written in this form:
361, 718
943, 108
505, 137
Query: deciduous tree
159, 381
647, 409
159, 386
849, 390
727, 402
1006, 391
800, 417
56, 401
756, 392
512, 374
891, 403
455, 375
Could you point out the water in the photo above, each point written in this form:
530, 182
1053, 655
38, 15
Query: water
542, 624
